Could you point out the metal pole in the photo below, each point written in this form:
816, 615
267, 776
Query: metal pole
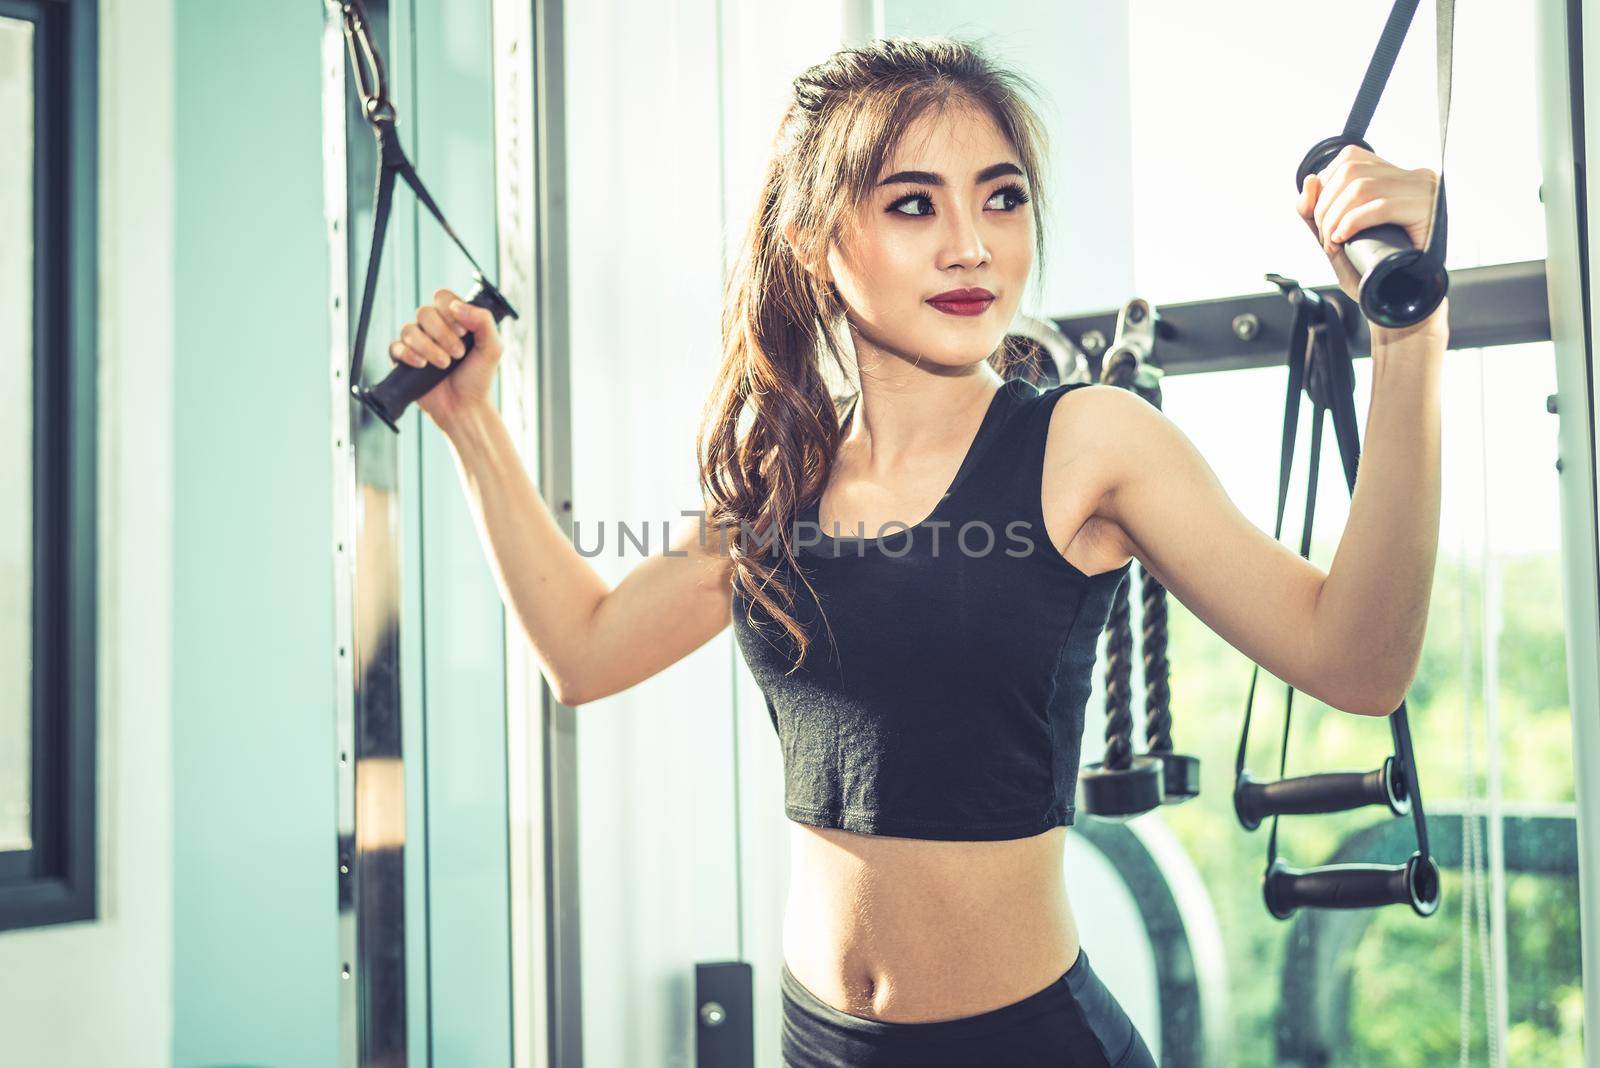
368, 755
1563, 79
544, 989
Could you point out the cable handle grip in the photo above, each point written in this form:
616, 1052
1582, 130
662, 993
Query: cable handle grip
1400, 284
1353, 886
404, 384
1329, 791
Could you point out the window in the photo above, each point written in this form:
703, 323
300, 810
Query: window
1494, 644
47, 473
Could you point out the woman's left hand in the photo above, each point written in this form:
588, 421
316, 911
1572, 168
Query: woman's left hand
1360, 190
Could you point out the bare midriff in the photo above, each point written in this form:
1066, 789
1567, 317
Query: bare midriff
912, 930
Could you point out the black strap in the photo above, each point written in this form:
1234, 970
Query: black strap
367, 63
1320, 364
1377, 77
392, 162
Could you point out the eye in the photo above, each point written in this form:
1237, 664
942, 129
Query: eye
921, 195
1018, 195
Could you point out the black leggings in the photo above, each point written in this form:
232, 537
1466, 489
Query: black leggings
1072, 1023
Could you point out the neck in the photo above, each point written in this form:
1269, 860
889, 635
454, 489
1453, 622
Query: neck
917, 414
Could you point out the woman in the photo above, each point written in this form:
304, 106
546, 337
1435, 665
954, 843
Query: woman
928, 700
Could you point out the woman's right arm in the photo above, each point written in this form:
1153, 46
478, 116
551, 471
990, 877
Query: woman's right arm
591, 641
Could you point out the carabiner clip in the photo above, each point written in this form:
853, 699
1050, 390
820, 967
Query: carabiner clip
366, 64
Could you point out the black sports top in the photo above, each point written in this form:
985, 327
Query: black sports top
949, 702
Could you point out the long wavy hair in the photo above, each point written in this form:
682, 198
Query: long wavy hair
771, 427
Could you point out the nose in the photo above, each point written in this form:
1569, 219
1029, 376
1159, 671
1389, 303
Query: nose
963, 246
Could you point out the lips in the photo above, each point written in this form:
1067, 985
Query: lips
963, 301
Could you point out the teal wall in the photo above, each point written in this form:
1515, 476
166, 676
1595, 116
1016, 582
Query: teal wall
255, 947
256, 950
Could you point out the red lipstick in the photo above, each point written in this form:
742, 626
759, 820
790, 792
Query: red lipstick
974, 301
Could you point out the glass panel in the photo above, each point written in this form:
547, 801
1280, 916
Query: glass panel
16, 425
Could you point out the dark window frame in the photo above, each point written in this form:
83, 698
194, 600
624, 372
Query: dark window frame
55, 880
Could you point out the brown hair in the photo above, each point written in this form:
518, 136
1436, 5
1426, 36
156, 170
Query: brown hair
780, 323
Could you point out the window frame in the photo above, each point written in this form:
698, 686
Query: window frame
55, 880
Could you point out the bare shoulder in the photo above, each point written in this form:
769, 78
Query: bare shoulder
1096, 414
1085, 445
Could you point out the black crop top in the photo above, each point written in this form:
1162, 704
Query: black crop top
949, 702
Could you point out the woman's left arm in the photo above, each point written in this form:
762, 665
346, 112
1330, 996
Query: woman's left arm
1351, 637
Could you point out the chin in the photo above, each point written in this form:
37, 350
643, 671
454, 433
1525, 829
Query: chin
957, 346
945, 354
951, 342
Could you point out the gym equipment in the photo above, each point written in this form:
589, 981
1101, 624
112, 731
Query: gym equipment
1122, 784
389, 398
1400, 284
1050, 344
1312, 1021
1320, 364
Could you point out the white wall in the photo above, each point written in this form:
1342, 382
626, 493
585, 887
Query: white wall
88, 995
661, 765
655, 827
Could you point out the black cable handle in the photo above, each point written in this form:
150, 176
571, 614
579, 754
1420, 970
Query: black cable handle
404, 383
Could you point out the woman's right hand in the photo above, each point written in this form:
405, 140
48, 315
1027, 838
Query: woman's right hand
436, 336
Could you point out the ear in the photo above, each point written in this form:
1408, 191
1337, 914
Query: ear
819, 271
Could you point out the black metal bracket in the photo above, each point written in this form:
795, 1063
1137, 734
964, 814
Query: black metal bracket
1501, 304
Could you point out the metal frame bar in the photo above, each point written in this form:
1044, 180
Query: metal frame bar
336, 212
369, 759
55, 881
1570, 234
551, 440
1501, 304
545, 1017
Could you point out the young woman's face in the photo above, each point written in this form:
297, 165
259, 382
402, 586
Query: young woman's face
949, 212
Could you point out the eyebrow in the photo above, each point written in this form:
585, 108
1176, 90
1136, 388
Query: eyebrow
930, 178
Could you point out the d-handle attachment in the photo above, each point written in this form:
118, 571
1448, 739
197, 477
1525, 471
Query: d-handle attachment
1328, 791
388, 399
1353, 886
1400, 283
